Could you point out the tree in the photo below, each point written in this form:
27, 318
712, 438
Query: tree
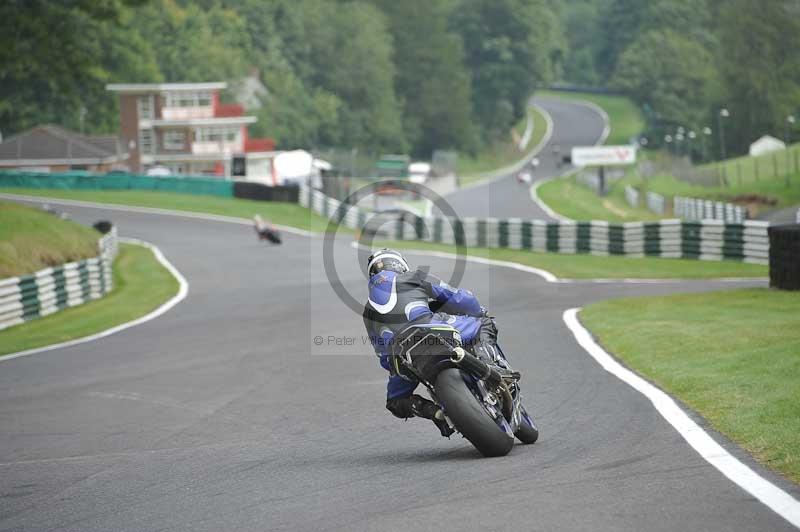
346, 50
194, 44
510, 46
760, 67
432, 83
669, 73
625, 21
581, 24
49, 52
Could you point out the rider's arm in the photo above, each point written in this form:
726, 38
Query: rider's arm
380, 342
452, 300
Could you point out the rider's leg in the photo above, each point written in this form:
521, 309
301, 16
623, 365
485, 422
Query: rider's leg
486, 342
479, 334
401, 402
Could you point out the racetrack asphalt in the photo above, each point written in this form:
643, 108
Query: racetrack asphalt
504, 197
223, 415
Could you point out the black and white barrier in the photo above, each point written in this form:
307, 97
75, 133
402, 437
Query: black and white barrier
705, 240
700, 209
28, 297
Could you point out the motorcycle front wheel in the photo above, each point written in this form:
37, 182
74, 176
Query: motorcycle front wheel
491, 437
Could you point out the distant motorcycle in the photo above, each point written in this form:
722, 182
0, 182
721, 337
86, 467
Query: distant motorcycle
481, 399
266, 231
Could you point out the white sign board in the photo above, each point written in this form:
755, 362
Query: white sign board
603, 155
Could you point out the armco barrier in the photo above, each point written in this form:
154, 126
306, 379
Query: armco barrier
706, 240
85, 181
700, 209
259, 191
47, 291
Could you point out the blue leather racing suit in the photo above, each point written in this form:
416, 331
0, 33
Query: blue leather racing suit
397, 300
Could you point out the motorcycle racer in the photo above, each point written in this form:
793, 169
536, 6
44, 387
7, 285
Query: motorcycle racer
399, 297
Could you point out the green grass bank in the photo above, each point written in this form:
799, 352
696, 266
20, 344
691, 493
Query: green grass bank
732, 356
32, 239
141, 284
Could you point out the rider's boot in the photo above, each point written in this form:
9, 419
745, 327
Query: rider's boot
429, 410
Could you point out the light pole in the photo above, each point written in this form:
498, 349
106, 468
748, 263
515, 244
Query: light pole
679, 139
692, 136
787, 138
706, 136
668, 140
82, 116
723, 113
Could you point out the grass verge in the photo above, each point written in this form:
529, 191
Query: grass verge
31, 240
571, 199
593, 267
773, 190
280, 213
624, 116
746, 384
501, 154
141, 284
748, 169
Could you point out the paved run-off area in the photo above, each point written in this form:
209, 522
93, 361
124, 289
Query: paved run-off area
224, 415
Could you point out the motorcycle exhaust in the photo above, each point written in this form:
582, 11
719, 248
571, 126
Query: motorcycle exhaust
476, 366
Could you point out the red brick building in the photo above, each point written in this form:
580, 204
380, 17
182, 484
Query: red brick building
184, 127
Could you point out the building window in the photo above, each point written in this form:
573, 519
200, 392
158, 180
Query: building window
218, 134
174, 139
145, 107
146, 144
189, 99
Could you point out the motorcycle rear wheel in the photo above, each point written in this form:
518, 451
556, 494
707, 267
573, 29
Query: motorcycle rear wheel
471, 419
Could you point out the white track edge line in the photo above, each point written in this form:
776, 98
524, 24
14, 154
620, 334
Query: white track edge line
740, 474
544, 206
151, 210
183, 290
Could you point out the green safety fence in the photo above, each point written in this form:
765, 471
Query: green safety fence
85, 181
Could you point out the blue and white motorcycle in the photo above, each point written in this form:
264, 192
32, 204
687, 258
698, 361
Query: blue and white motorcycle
481, 399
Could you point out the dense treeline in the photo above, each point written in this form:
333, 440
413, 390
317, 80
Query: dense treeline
411, 75
374, 74
685, 60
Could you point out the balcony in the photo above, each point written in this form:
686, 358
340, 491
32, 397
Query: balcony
187, 113
213, 147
